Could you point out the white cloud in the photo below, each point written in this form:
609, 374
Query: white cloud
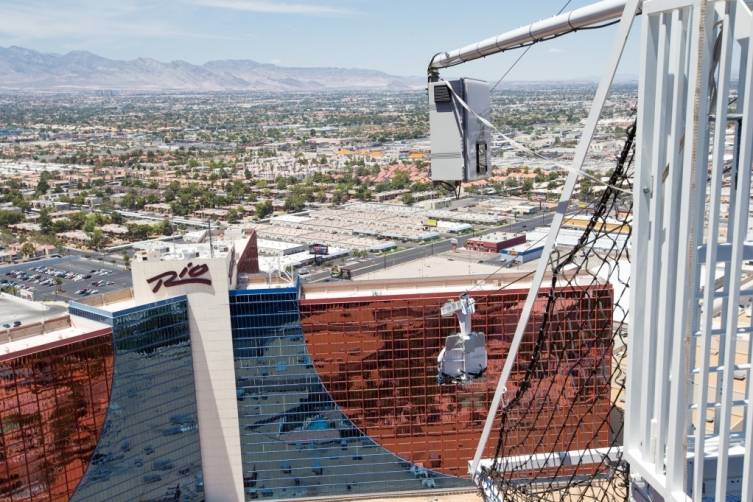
75, 18
24, 21
273, 7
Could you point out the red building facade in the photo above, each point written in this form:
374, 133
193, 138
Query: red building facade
377, 357
248, 263
53, 402
494, 243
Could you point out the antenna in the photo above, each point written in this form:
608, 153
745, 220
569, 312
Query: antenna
211, 248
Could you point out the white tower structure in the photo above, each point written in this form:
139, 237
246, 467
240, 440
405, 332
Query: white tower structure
688, 420
689, 426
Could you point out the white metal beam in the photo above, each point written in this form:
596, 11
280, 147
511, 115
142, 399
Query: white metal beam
556, 459
741, 224
623, 30
600, 12
671, 245
693, 183
712, 248
635, 403
653, 265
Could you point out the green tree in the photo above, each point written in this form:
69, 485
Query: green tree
98, 239
339, 196
263, 209
363, 193
10, 217
527, 186
43, 185
164, 227
139, 232
233, 215
45, 222
400, 180
586, 187
28, 249
295, 203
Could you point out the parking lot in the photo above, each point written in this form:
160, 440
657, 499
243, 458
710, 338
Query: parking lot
66, 278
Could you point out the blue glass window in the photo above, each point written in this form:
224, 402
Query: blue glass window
149, 448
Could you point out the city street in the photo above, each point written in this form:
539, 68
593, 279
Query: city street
414, 253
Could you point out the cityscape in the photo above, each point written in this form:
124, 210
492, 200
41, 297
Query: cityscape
226, 280
124, 178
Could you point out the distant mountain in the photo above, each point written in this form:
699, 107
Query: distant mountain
22, 68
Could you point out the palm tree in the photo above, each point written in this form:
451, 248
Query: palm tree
28, 249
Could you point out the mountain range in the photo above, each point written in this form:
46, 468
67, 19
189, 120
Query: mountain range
27, 69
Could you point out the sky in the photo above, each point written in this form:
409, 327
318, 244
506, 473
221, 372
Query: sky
395, 36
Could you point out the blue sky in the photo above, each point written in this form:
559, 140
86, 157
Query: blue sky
396, 36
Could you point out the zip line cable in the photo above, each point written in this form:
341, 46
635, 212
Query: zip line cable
506, 73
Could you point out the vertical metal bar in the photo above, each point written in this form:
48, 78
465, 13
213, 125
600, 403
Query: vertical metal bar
746, 157
740, 229
672, 188
656, 233
623, 30
700, 208
635, 403
712, 239
731, 205
696, 161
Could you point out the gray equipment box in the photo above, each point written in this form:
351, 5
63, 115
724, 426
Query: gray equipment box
460, 142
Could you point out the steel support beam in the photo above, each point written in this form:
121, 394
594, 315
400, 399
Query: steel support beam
623, 30
600, 12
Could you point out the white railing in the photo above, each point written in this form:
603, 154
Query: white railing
694, 151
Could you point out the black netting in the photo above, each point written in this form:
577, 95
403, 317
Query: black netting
569, 395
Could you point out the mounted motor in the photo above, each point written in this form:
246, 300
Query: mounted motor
463, 357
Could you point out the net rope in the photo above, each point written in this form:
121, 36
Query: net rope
569, 394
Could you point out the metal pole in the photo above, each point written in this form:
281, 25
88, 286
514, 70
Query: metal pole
693, 186
209, 226
600, 12
642, 189
712, 236
626, 21
736, 263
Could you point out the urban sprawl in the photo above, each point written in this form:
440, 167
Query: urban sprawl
330, 182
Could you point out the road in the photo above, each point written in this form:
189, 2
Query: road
414, 253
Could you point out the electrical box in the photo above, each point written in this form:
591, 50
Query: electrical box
460, 142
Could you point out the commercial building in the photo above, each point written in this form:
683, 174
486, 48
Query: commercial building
55, 386
521, 253
208, 381
495, 242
